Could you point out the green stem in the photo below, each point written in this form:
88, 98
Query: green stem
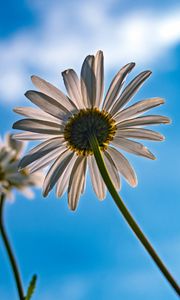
126, 214
9, 252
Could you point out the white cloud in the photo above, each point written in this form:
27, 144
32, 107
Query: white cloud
67, 33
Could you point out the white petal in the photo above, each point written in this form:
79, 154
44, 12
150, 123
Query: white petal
64, 179
137, 109
28, 136
6, 151
96, 178
27, 192
6, 158
14, 144
50, 90
37, 178
39, 126
76, 182
49, 144
129, 91
123, 166
40, 151
140, 133
35, 113
72, 84
142, 121
116, 86
45, 160
48, 104
112, 170
56, 171
9, 195
99, 75
84, 179
132, 147
88, 82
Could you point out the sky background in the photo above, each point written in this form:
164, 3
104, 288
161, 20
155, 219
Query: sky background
92, 254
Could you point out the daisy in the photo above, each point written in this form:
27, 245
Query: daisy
10, 178
66, 123
81, 130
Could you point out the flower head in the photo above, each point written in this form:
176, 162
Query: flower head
10, 178
66, 123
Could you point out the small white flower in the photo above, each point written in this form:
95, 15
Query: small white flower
65, 124
10, 178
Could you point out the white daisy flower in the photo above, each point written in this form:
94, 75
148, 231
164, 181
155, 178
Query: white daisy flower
10, 178
65, 124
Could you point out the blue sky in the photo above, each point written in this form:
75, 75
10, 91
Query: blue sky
92, 254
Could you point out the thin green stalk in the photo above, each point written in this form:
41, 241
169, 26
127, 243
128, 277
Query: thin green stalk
10, 252
126, 214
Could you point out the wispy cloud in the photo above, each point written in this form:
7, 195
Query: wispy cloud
72, 287
112, 284
66, 34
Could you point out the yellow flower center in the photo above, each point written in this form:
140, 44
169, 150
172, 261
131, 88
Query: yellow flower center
81, 126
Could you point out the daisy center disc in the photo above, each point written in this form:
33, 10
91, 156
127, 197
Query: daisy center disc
80, 127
